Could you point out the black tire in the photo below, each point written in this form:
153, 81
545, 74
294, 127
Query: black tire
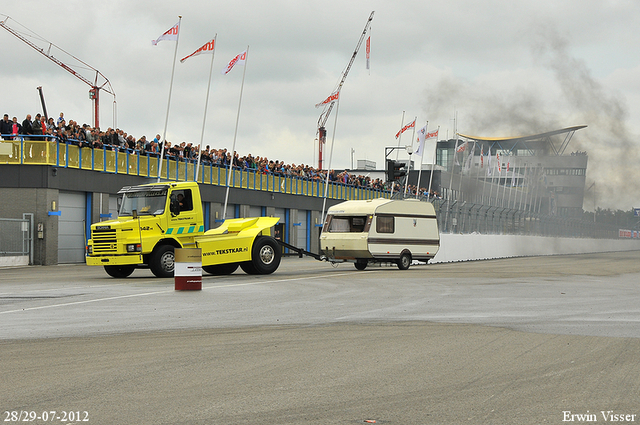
119, 272
361, 264
162, 261
265, 255
248, 267
220, 269
405, 261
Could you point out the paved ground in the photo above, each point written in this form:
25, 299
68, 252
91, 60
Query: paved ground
518, 341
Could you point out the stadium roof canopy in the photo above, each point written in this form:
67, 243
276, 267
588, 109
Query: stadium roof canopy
528, 142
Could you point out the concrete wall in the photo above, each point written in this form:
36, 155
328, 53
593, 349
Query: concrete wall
456, 247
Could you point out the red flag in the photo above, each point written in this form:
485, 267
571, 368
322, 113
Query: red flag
332, 98
499, 165
241, 58
170, 34
207, 48
406, 127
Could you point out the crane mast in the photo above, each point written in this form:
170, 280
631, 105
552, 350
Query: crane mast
100, 82
322, 132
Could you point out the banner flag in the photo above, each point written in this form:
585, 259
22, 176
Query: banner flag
408, 126
499, 165
207, 48
332, 98
423, 135
239, 59
171, 34
482, 157
368, 50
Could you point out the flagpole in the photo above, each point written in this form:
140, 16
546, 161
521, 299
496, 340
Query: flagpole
397, 152
433, 165
235, 134
492, 173
326, 182
484, 177
406, 182
504, 191
450, 194
524, 180
424, 143
206, 103
166, 120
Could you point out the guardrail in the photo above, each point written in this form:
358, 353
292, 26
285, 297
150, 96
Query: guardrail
122, 161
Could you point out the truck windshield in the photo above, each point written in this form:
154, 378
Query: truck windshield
151, 202
346, 224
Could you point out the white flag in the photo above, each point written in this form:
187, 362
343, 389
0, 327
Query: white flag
423, 135
207, 48
171, 34
240, 59
332, 98
412, 124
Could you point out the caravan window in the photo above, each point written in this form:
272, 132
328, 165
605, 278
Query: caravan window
346, 224
385, 224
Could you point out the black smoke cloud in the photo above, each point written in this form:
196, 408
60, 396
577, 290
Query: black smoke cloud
530, 107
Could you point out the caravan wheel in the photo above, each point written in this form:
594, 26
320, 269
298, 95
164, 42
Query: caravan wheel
405, 261
361, 264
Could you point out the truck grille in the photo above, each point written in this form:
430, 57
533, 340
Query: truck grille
104, 241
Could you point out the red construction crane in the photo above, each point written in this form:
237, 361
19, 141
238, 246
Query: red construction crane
322, 132
100, 82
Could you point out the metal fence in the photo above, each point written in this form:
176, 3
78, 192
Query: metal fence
462, 217
15, 237
125, 161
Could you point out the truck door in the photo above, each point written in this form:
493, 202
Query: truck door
184, 218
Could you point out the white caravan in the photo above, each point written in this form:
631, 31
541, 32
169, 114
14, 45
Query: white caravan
381, 230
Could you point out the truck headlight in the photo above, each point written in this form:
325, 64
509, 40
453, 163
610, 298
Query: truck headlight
134, 247
89, 249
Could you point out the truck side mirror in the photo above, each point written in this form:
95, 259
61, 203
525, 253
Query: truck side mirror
174, 207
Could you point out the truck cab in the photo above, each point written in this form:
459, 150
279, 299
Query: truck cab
153, 220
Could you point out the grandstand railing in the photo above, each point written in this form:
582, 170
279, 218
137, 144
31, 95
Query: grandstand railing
136, 163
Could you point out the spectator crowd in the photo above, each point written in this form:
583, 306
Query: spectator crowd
85, 136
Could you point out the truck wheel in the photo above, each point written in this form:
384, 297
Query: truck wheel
163, 261
265, 255
119, 272
405, 261
220, 269
361, 264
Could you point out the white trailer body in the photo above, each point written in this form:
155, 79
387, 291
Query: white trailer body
381, 230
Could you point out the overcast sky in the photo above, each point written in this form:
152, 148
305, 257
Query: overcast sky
503, 68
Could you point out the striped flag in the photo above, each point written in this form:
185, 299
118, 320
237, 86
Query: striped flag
239, 59
408, 126
171, 34
332, 98
207, 48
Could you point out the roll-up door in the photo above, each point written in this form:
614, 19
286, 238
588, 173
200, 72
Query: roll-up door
71, 237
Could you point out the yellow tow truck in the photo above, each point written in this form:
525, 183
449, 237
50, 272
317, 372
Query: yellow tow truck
155, 219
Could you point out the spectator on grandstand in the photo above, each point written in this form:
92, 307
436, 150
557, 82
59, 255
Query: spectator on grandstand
60, 119
16, 128
5, 127
27, 126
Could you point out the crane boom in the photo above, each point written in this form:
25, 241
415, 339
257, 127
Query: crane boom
324, 116
100, 81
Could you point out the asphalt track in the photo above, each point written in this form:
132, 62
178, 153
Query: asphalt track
512, 341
